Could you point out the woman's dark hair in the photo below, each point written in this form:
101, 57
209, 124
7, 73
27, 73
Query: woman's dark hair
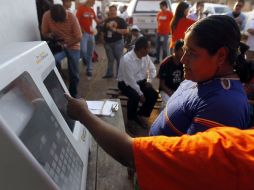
178, 45
58, 13
180, 9
218, 31
141, 43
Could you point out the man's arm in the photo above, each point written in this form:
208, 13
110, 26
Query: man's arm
129, 78
244, 22
114, 142
250, 29
46, 33
164, 87
122, 28
151, 67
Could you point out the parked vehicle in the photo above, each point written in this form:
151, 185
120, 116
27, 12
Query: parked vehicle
213, 9
143, 14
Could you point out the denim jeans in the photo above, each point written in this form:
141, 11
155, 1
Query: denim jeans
162, 42
73, 68
114, 51
87, 48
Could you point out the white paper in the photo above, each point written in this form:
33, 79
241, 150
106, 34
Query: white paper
103, 108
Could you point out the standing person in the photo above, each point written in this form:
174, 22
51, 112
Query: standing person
63, 25
86, 15
180, 23
171, 73
212, 90
250, 39
164, 18
132, 81
199, 12
237, 14
123, 13
114, 28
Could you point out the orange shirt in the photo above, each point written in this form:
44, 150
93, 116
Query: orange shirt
69, 30
179, 32
85, 17
163, 19
220, 158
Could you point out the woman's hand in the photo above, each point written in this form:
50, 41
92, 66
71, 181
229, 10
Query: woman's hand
76, 108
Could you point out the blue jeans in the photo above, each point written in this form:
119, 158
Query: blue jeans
87, 48
73, 68
114, 51
162, 42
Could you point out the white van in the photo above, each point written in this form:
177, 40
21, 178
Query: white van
143, 14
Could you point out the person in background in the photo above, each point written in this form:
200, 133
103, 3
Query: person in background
134, 35
62, 25
212, 90
199, 12
164, 18
86, 15
250, 38
133, 83
123, 13
171, 73
237, 14
180, 23
114, 28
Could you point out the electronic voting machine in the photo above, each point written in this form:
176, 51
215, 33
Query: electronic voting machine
41, 147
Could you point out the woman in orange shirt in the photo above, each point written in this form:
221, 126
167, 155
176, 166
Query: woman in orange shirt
180, 23
218, 158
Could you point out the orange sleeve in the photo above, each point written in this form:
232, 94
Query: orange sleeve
221, 158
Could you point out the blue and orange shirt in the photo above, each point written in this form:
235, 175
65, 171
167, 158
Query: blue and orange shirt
196, 107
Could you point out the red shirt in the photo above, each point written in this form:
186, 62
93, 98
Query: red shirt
220, 158
163, 19
179, 32
85, 17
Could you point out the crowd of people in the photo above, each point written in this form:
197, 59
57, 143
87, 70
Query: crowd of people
206, 84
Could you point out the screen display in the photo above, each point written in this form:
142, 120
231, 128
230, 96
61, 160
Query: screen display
57, 93
38, 129
14, 100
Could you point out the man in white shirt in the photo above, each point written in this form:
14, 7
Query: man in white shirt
250, 40
132, 81
123, 13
